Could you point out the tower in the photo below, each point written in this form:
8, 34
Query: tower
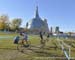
36, 12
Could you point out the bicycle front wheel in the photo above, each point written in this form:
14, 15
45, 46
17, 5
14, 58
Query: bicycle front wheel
20, 46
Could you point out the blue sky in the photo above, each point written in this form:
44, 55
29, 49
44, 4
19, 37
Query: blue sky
58, 12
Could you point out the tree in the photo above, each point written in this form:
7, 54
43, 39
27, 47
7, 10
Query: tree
4, 20
15, 24
2, 25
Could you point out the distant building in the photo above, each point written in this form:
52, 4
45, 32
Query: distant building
37, 24
51, 30
57, 29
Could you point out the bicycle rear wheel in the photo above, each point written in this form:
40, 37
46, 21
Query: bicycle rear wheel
29, 44
22, 46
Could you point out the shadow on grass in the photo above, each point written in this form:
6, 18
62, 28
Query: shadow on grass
9, 48
40, 51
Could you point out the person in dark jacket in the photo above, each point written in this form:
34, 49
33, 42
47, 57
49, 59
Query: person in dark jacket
16, 39
48, 35
41, 35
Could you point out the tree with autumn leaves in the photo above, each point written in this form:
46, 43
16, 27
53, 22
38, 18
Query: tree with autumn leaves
6, 24
4, 19
15, 24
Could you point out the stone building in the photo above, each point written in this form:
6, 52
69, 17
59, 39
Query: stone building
37, 23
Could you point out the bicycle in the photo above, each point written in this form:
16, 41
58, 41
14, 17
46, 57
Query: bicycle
22, 46
43, 42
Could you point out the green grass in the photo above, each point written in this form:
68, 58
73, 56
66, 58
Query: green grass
8, 50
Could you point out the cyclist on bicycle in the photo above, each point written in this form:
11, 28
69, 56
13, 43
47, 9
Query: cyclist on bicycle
48, 35
25, 37
41, 36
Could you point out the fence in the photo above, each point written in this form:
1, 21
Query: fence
66, 49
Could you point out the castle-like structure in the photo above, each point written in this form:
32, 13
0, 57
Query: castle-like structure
37, 23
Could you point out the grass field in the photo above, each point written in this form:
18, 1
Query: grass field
8, 50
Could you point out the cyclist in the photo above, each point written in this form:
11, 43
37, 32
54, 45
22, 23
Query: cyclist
48, 35
43, 42
41, 36
25, 37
